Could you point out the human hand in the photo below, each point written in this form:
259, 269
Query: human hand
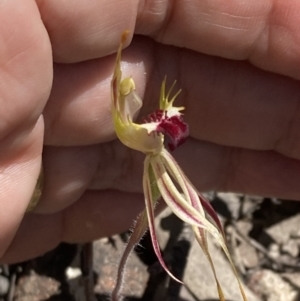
236, 62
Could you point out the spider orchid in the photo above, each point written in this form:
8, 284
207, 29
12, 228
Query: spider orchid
162, 177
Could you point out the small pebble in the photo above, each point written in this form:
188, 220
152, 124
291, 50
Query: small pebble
4, 285
73, 273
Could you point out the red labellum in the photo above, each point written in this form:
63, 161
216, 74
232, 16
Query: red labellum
174, 127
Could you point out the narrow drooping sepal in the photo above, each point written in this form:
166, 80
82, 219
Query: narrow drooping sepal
203, 206
198, 201
150, 214
177, 201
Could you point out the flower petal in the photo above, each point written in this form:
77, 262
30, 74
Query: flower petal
172, 124
176, 129
177, 202
125, 105
197, 201
196, 198
150, 214
164, 103
178, 175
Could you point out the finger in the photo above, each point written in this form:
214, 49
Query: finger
215, 168
95, 215
210, 167
25, 65
229, 103
68, 172
20, 164
264, 32
79, 26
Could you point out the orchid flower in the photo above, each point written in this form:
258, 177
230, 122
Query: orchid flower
162, 177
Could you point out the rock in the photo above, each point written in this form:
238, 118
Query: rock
272, 287
291, 247
233, 202
106, 258
73, 273
247, 255
274, 251
4, 285
199, 277
36, 287
250, 204
292, 278
244, 251
282, 231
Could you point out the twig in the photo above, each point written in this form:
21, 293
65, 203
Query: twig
87, 271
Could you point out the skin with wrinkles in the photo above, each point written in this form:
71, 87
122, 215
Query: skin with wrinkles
237, 63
